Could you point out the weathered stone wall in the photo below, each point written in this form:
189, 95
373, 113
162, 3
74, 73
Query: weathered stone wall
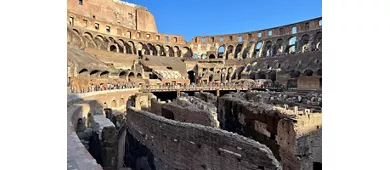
207, 97
308, 83
182, 146
129, 15
294, 136
188, 114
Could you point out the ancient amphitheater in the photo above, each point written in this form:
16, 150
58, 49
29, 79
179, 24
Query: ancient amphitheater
143, 100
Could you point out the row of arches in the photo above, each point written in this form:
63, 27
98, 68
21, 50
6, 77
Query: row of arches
93, 73
269, 48
121, 45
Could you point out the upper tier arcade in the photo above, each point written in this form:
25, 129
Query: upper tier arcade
293, 38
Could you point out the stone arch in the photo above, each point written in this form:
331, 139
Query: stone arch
308, 72
169, 51
191, 76
229, 50
318, 41
246, 52
221, 50
101, 42
278, 47
291, 45
177, 51
88, 39
132, 50
203, 56
211, 56
126, 47
114, 48
237, 52
258, 49
187, 52
142, 49
131, 75
83, 72
267, 49
152, 49
104, 74
113, 104
304, 42
123, 75
94, 73
295, 74
160, 50
139, 75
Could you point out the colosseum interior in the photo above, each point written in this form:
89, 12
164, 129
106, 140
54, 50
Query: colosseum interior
143, 100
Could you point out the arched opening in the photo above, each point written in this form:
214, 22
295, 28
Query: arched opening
131, 75
104, 74
178, 51
160, 50
237, 53
152, 49
229, 51
212, 56
221, 50
188, 53
126, 47
122, 75
94, 73
267, 49
169, 51
318, 41
308, 72
272, 76
153, 76
292, 45
319, 72
305, 43
257, 51
191, 76
203, 56
246, 53
278, 47
295, 74
113, 48
83, 72
196, 56
113, 104
211, 78
139, 75
167, 114
132, 47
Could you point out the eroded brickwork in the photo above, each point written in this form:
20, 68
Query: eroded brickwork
182, 146
292, 133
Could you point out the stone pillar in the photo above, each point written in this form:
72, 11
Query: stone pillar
217, 92
178, 92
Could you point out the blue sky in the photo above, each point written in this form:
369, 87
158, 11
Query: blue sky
210, 17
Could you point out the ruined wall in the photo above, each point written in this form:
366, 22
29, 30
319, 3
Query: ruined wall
177, 145
189, 114
114, 11
300, 141
207, 97
292, 133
